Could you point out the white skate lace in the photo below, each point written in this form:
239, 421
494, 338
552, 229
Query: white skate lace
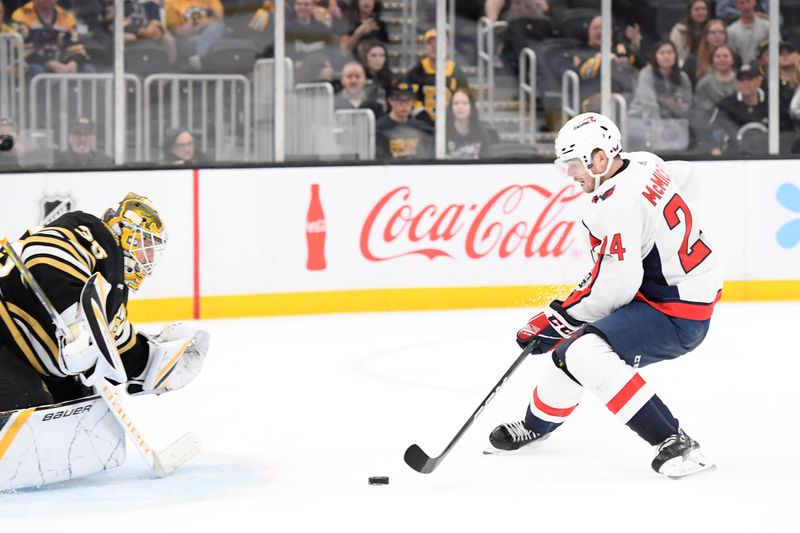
518, 431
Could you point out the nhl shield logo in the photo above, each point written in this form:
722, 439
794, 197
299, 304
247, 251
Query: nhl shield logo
53, 207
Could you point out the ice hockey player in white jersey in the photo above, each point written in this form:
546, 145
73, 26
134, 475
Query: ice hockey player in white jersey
649, 297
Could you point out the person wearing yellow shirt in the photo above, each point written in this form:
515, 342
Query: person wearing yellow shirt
51, 39
197, 25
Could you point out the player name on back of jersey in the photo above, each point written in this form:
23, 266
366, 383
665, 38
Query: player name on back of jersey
658, 186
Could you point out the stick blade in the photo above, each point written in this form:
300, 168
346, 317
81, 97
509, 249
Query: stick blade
419, 460
176, 454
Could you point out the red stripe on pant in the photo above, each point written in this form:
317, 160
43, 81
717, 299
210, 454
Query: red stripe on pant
625, 394
548, 410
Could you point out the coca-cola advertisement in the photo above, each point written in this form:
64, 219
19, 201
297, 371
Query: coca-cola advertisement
525, 220
387, 227
315, 231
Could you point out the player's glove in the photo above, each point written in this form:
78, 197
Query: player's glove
550, 328
176, 357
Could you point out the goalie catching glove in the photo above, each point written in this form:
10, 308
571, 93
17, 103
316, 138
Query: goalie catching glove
176, 357
549, 327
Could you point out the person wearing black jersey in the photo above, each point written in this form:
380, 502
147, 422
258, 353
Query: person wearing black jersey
39, 367
398, 135
423, 78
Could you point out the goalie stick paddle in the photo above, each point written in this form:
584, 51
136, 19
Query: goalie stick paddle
420, 461
162, 464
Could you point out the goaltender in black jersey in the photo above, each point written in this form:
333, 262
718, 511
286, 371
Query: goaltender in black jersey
37, 367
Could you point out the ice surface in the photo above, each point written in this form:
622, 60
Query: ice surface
295, 413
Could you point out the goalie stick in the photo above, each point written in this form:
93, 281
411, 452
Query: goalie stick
420, 461
162, 464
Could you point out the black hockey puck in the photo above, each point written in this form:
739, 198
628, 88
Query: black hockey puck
379, 480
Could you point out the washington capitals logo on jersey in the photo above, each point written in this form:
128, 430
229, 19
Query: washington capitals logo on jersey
53, 207
605, 196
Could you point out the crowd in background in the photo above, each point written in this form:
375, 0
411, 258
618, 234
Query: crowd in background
690, 85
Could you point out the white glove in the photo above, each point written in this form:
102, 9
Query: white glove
176, 357
81, 353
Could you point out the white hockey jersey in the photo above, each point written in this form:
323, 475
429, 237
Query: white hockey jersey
647, 244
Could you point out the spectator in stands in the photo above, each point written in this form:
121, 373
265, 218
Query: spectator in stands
688, 32
143, 23
4, 28
787, 78
719, 82
787, 62
501, 10
81, 152
794, 110
10, 160
467, 138
179, 148
748, 31
624, 62
374, 57
363, 23
51, 39
309, 44
261, 32
197, 25
355, 94
663, 93
748, 104
527, 23
262, 17
728, 10
328, 12
696, 65
398, 135
423, 78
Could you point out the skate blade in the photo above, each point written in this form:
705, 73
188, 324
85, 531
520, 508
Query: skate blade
704, 468
694, 463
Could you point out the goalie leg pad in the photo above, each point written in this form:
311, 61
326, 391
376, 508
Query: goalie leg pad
52, 443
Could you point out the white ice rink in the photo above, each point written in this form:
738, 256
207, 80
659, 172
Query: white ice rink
296, 413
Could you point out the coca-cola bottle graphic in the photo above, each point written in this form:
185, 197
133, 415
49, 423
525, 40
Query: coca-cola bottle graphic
315, 232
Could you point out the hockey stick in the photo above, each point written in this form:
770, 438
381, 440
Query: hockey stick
425, 464
177, 453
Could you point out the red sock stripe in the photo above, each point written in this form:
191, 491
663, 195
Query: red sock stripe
548, 410
625, 394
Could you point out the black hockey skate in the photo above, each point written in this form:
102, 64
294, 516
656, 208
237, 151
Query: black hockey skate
513, 436
679, 455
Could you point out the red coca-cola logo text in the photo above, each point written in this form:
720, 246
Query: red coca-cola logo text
519, 219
